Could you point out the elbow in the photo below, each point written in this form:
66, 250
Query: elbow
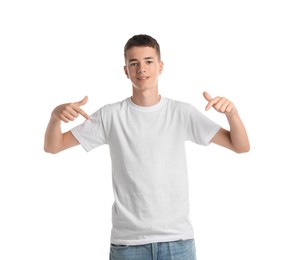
50, 150
244, 149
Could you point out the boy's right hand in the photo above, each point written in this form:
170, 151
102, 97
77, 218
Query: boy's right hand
70, 111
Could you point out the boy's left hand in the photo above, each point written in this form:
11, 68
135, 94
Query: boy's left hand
220, 104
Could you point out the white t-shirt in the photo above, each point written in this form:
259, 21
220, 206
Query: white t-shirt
149, 169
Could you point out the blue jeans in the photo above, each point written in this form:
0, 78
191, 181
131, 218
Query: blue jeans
176, 250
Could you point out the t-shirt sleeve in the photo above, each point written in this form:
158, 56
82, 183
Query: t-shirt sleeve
91, 133
199, 128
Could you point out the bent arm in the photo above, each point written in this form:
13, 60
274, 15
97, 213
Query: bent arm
55, 141
235, 139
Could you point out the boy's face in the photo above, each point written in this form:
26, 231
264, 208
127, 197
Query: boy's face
143, 67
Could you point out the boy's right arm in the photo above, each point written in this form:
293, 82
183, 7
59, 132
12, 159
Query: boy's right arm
55, 141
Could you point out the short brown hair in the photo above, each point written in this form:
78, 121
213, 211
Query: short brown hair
142, 40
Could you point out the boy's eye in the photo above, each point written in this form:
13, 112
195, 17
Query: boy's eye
133, 64
149, 62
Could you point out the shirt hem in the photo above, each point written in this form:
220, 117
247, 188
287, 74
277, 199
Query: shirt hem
80, 140
211, 135
153, 240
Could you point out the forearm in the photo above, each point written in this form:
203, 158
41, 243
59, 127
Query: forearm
53, 136
238, 134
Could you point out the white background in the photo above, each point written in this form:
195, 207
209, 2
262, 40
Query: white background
52, 52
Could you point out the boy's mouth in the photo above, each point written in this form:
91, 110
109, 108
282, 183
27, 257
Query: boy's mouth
142, 78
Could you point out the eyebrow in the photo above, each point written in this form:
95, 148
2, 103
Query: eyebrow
146, 58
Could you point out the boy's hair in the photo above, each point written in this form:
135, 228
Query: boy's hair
142, 40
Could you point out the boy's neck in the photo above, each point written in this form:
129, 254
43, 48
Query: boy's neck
145, 98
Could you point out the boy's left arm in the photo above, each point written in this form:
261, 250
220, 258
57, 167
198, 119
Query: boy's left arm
236, 138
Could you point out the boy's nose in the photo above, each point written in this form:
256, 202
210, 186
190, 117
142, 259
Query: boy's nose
141, 69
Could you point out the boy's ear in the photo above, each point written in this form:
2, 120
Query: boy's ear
126, 72
161, 67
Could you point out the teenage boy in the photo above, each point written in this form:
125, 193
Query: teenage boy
146, 134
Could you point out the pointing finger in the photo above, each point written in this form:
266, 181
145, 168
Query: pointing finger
207, 96
212, 102
209, 99
79, 110
83, 113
